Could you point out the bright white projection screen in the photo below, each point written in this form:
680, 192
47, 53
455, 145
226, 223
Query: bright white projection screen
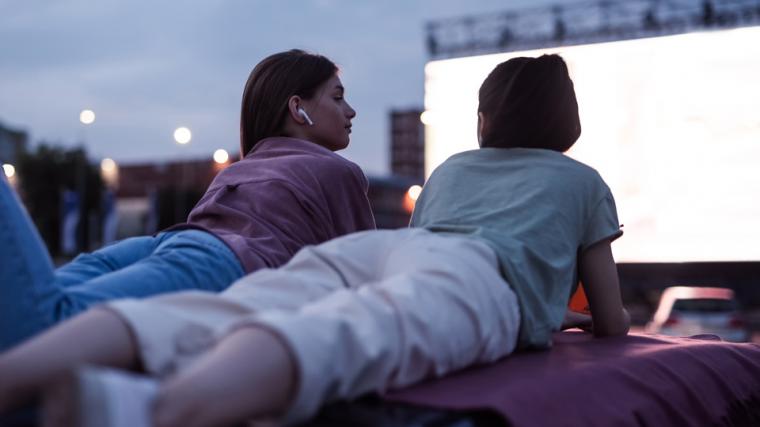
671, 123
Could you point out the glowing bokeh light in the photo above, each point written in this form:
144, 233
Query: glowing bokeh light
414, 192
107, 165
427, 118
182, 135
87, 117
221, 156
9, 170
109, 171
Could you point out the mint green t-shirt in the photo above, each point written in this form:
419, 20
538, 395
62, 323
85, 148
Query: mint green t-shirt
538, 209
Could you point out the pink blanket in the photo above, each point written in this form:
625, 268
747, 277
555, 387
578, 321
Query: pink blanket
632, 380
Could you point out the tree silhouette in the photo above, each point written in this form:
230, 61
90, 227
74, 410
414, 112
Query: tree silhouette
43, 175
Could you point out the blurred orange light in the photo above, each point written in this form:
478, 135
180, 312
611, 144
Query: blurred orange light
410, 198
414, 192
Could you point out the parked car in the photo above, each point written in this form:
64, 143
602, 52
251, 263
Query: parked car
686, 310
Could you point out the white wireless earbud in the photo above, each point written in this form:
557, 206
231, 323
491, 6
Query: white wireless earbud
305, 116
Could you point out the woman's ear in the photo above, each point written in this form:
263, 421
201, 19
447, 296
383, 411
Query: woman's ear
294, 102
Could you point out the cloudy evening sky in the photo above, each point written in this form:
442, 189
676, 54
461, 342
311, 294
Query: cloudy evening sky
147, 67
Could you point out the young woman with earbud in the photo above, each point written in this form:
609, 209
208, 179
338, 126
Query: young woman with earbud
289, 190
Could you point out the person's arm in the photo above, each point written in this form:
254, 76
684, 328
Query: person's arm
98, 337
574, 319
600, 280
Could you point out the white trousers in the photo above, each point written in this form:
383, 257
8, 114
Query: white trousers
364, 312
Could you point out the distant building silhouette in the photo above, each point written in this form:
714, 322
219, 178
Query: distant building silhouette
139, 179
407, 144
153, 196
391, 202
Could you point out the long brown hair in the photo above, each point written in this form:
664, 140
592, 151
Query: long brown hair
271, 83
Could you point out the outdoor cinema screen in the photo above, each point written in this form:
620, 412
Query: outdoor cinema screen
671, 123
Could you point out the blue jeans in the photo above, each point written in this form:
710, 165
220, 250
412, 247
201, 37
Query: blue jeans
34, 295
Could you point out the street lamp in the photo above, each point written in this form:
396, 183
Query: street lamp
182, 136
86, 118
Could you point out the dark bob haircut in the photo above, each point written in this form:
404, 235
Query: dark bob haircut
530, 103
271, 84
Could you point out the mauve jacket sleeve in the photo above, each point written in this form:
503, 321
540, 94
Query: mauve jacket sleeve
266, 222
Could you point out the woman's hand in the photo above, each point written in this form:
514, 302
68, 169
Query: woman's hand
573, 319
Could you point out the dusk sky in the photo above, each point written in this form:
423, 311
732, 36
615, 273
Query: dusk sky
148, 67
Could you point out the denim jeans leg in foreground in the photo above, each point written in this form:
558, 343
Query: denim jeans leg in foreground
26, 270
118, 255
33, 297
30, 290
183, 260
